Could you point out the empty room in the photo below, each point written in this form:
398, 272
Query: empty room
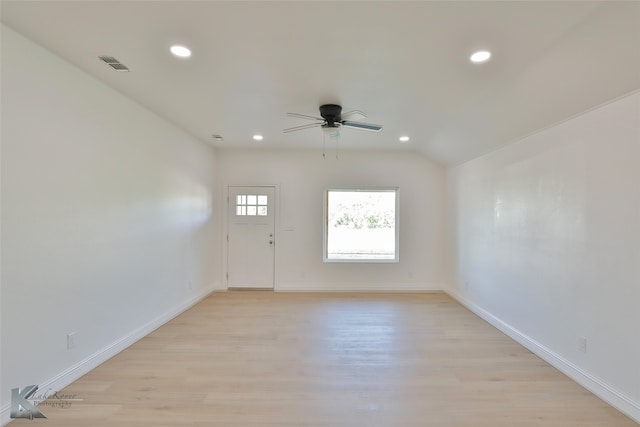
320, 213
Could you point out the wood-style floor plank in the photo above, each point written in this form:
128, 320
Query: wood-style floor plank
250, 358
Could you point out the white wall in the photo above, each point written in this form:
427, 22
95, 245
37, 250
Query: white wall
107, 225
545, 243
302, 176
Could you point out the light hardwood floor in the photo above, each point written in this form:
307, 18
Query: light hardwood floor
247, 359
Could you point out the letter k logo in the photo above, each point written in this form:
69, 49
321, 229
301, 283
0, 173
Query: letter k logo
21, 407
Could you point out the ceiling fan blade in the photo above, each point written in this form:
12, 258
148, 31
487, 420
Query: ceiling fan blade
363, 126
354, 115
304, 116
295, 128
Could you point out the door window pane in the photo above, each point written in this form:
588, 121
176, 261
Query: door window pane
251, 205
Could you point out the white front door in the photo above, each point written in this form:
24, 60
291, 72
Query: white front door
251, 237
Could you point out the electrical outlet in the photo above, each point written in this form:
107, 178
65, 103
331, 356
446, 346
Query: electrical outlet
71, 340
582, 344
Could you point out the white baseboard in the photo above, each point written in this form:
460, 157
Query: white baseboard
81, 368
600, 388
356, 287
219, 286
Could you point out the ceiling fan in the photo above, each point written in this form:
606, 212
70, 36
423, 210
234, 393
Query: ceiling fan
333, 119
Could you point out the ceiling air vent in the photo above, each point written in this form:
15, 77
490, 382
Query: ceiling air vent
114, 63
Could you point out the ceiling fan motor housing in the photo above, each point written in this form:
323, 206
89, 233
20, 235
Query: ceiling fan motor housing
332, 114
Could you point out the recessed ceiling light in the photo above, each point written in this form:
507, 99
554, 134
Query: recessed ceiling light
404, 138
258, 137
180, 51
480, 56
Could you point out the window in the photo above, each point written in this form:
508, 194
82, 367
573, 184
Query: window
251, 205
361, 225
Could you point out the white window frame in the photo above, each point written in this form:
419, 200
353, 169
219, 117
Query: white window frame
325, 222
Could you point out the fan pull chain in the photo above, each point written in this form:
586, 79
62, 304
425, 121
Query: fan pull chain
324, 145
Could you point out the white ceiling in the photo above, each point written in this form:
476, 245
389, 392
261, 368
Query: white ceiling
403, 63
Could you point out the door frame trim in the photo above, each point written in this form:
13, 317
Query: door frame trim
225, 230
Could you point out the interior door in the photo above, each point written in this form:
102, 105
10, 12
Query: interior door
251, 237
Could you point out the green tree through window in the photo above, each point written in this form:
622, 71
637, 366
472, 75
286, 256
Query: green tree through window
361, 225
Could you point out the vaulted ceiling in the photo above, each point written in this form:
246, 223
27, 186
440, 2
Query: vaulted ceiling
405, 64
